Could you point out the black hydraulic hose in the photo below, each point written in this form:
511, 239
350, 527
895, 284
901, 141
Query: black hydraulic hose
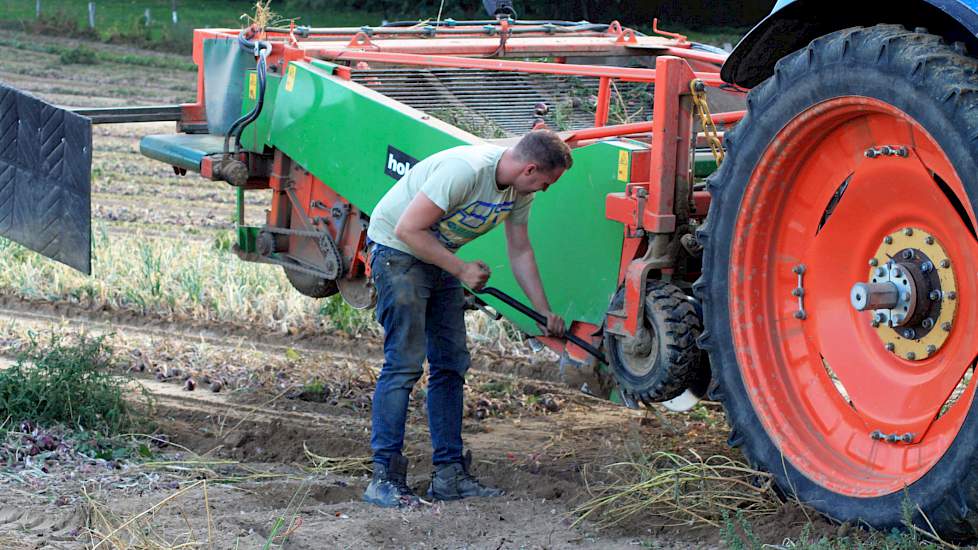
540, 319
261, 50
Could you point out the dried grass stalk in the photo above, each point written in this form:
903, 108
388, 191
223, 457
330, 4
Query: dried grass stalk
674, 490
343, 465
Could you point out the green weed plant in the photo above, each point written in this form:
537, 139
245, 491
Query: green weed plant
57, 381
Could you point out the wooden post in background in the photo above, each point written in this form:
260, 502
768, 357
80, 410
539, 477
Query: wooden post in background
173, 10
91, 15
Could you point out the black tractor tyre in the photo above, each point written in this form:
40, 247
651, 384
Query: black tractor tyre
673, 361
310, 285
936, 85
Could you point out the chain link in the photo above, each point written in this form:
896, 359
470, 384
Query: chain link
698, 91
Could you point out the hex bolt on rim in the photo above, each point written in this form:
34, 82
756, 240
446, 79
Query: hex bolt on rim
910, 291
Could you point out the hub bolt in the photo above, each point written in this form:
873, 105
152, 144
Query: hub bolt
931, 349
929, 240
946, 326
927, 267
935, 295
897, 272
911, 355
888, 239
927, 323
880, 318
880, 272
874, 262
945, 263
908, 254
909, 333
890, 347
908, 232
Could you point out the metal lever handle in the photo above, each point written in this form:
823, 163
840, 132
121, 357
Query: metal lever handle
539, 318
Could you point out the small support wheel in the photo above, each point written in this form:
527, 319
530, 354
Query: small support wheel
310, 285
662, 361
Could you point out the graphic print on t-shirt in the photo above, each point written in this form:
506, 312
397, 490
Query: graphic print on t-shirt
469, 222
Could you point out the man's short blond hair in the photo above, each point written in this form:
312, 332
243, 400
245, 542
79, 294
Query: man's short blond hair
545, 149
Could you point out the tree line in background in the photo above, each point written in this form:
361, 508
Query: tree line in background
699, 13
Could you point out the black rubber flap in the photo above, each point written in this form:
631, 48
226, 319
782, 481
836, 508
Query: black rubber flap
45, 178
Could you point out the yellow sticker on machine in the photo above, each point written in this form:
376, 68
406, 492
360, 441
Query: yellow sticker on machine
252, 86
290, 79
623, 165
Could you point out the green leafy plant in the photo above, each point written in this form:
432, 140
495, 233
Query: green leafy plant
69, 382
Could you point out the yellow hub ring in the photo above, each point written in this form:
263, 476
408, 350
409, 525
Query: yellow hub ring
921, 348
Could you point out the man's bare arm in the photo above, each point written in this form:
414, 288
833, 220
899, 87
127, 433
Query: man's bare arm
413, 229
524, 264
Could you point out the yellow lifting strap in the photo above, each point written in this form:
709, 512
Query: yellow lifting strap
698, 91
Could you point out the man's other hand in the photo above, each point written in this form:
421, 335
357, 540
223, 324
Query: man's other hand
475, 274
555, 325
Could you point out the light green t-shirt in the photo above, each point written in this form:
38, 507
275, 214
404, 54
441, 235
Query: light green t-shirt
462, 182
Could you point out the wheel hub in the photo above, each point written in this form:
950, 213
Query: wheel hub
911, 293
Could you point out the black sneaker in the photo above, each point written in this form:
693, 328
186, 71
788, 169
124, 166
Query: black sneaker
389, 488
453, 482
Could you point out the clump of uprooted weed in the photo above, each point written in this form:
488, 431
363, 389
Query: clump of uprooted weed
669, 489
67, 382
505, 397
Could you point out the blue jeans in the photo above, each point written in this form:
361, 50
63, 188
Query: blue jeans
421, 308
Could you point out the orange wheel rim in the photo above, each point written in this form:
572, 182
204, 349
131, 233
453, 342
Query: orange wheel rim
823, 384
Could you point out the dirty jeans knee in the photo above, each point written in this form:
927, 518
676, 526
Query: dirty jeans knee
402, 293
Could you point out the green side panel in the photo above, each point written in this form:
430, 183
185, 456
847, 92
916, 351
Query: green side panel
341, 132
255, 135
578, 250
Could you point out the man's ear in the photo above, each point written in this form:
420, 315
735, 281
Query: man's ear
530, 168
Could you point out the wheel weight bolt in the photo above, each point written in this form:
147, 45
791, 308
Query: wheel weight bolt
927, 323
892, 438
908, 232
946, 326
911, 356
874, 262
798, 292
890, 347
888, 239
931, 350
907, 437
799, 270
952, 295
929, 240
945, 263
876, 435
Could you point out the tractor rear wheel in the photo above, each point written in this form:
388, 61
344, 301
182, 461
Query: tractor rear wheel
663, 361
840, 279
310, 285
